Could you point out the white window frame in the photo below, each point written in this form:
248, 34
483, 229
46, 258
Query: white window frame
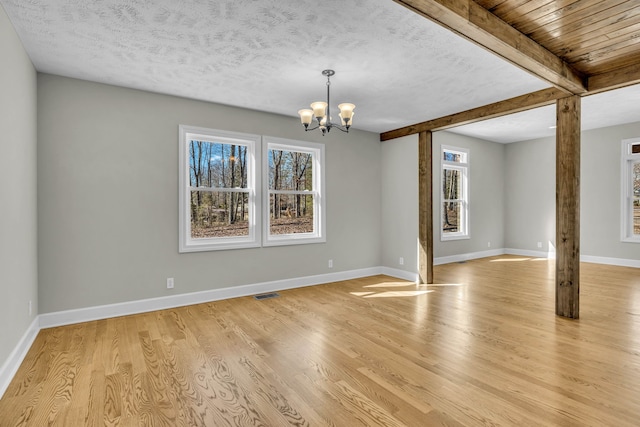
252, 142
318, 180
463, 167
627, 196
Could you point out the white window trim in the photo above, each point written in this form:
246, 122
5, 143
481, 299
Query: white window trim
186, 243
465, 169
626, 210
318, 177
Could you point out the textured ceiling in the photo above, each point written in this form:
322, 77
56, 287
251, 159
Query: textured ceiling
397, 67
611, 108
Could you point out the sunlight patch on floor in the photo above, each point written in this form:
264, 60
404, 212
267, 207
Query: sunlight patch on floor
442, 284
361, 294
390, 285
393, 294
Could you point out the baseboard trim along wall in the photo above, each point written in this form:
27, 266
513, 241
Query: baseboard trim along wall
468, 256
11, 365
401, 274
621, 262
534, 254
68, 317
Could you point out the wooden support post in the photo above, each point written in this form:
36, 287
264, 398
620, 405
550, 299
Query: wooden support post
568, 207
425, 206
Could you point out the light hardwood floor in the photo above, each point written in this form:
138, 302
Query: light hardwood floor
480, 347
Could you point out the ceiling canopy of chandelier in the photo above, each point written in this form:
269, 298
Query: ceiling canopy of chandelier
322, 112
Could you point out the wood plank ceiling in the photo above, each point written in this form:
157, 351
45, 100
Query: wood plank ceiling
581, 47
592, 36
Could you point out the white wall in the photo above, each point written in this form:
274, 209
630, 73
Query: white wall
18, 225
108, 198
530, 201
400, 199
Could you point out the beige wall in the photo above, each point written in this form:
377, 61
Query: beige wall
108, 198
18, 226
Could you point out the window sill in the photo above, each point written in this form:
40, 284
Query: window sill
630, 240
286, 240
455, 237
217, 246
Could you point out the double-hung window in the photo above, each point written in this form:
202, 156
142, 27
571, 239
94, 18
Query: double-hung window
631, 190
219, 174
455, 193
293, 201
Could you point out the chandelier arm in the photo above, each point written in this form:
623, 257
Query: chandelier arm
307, 115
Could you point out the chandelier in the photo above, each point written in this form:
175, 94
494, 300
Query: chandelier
322, 112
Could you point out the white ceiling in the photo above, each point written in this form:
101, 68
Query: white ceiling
397, 67
611, 108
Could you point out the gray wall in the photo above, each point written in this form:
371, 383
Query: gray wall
530, 202
530, 185
400, 198
400, 203
486, 195
18, 224
108, 198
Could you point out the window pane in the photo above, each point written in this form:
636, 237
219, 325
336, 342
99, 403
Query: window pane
636, 217
451, 182
453, 156
290, 213
636, 179
451, 217
290, 170
217, 165
219, 214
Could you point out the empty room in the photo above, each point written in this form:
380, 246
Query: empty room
363, 213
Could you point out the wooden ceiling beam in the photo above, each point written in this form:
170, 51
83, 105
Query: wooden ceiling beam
477, 24
625, 76
508, 106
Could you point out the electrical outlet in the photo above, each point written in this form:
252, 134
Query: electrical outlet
169, 282
488, 244
539, 244
330, 263
401, 261
30, 308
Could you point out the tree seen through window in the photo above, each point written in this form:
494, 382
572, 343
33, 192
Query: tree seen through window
291, 197
219, 194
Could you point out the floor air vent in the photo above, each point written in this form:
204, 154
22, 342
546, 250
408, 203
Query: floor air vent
267, 296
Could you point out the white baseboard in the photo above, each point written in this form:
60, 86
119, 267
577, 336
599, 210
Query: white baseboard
13, 362
611, 261
401, 274
621, 262
467, 256
524, 252
48, 320
68, 317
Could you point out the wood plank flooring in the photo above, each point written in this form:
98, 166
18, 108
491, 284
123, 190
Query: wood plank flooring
480, 347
